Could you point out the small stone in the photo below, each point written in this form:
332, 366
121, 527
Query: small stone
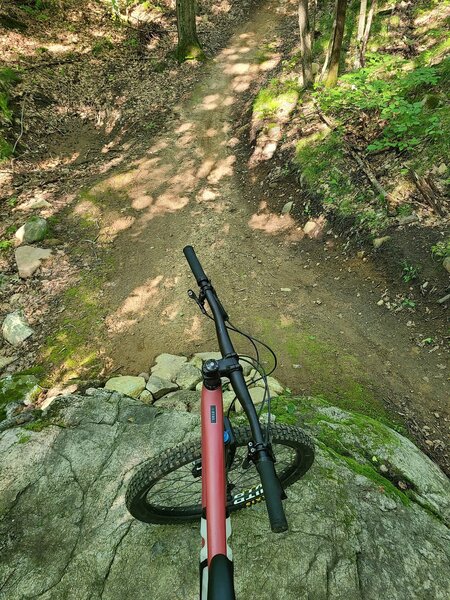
287, 208
442, 169
384, 469
146, 397
315, 68
257, 395
34, 230
159, 387
232, 142
34, 203
127, 385
378, 242
380, 302
407, 219
275, 387
264, 418
315, 229
168, 366
144, 375
188, 377
47, 402
62, 391
29, 259
446, 264
15, 329
246, 367
228, 398
286, 289
309, 227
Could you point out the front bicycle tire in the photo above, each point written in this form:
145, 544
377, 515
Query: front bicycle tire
167, 488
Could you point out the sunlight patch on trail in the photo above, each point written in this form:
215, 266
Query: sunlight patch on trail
134, 305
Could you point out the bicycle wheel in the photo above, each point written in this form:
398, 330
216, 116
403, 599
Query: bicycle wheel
168, 489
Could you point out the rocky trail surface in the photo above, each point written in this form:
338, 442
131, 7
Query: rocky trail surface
319, 309
360, 528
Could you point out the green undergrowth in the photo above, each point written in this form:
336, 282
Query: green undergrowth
396, 108
276, 97
391, 93
323, 164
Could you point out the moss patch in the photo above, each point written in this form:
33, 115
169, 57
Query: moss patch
277, 97
331, 373
385, 486
72, 350
16, 388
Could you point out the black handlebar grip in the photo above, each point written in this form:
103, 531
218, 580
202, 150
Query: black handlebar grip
272, 493
195, 265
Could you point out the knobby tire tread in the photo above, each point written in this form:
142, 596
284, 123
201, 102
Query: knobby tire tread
173, 458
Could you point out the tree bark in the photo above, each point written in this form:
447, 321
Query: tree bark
188, 44
365, 38
305, 42
334, 50
362, 20
360, 34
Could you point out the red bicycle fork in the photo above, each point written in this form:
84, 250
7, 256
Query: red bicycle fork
215, 525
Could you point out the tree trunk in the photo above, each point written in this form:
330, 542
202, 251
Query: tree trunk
334, 49
188, 44
305, 42
362, 20
365, 38
361, 26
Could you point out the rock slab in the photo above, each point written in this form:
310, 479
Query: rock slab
188, 377
126, 384
29, 259
15, 329
168, 366
35, 229
68, 535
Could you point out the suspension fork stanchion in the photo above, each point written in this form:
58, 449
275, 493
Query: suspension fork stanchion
215, 523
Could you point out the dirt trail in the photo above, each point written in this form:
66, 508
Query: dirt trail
193, 187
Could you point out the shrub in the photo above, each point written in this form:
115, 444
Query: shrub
389, 96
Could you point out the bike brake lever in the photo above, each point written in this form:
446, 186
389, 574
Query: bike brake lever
192, 295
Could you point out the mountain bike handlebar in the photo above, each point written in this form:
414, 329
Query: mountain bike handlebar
273, 491
195, 265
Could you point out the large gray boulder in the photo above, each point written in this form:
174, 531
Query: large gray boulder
353, 535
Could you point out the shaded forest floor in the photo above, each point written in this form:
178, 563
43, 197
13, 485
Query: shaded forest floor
169, 161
